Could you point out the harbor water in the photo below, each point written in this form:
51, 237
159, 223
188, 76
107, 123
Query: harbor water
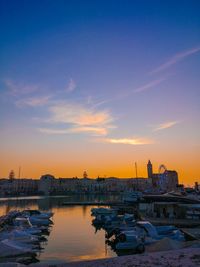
72, 236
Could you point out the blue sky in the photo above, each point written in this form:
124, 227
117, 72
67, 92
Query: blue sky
105, 75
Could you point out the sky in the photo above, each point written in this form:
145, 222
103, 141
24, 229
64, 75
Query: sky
99, 85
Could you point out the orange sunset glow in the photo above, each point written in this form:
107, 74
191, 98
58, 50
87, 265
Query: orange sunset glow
105, 161
100, 133
98, 87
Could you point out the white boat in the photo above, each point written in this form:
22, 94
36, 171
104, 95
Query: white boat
25, 225
146, 233
132, 197
108, 218
18, 235
157, 233
12, 249
102, 211
119, 224
21, 245
36, 220
39, 222
38, 214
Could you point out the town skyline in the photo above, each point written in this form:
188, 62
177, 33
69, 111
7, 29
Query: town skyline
151, 172
98, 86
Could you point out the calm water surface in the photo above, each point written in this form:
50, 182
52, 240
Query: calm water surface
72, 236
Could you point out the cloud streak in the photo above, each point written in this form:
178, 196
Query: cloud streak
149, 85
128, 141
79, 115
166, 125
175, 59
33, 101
95, 131
91, 130
79, 119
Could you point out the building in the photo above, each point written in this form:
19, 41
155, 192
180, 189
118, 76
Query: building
169, 180
165, 180
48, 185
17, 187
149, 169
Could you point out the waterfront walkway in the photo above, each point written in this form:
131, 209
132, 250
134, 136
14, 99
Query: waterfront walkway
173, 258
189, 257
183, 258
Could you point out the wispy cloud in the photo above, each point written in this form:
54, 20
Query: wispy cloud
176, 58
79, 115
166, 125
71, 86
33, 101
95, 103
53, 131
17, 89
126, 93
79, 119
128, 141
91, 130
95, 131
100, 103
149, 85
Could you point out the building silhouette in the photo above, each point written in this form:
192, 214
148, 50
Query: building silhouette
149, 169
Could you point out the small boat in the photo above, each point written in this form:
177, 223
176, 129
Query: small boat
18, 243
136, 244
161, 232
102, 211
132, 197
18, 235
39, 222
145, 233
11, 249
38, 214
25, 225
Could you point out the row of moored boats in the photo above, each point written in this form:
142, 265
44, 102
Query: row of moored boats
124, 232
23, 233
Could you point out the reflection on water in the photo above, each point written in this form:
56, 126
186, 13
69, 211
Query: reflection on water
72, 236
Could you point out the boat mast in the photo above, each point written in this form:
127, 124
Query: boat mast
136, 175
136, 170
19, 172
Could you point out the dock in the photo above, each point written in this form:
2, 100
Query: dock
92, 203
181, 223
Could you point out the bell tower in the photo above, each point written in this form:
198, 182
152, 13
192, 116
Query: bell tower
149, 169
